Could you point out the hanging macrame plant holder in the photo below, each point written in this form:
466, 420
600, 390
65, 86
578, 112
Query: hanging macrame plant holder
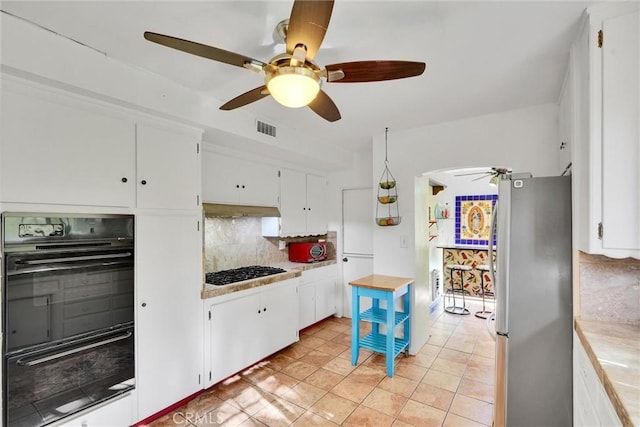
387, 212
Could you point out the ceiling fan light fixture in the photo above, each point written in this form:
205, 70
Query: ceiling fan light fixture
494, 181
293, 87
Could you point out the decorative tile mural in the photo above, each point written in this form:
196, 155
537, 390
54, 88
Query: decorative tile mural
473, 219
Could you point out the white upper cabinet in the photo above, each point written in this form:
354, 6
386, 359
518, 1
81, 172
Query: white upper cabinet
302, 204
607, 141
230, 180
293, 203
168, 167
58, 149
620, 132
62, 149
316, 204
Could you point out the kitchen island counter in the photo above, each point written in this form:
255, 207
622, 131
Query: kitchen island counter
472, 256
466, 247
614, 350
294, 269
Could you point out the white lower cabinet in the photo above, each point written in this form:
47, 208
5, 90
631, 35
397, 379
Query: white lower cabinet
117, 412
591, 404
246, 326
317, 295
169, 279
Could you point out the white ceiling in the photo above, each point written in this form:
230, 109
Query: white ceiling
482, 57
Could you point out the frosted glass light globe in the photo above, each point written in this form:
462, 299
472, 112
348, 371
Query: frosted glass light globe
293, 87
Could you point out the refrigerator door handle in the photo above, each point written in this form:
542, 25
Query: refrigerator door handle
492, 233
503, 231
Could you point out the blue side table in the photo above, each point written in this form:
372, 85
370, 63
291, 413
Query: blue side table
388, 289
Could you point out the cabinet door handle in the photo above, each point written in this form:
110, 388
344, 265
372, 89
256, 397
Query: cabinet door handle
265, 309
143, 182
259, 311
124, 179
144, 304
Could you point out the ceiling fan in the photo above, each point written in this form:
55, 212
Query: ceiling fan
494, 173
292, 78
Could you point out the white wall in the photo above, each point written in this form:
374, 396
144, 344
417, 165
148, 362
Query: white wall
524, 139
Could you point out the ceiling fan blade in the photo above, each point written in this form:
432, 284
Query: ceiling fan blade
203, 50
373, 71
308, 24
246, 98
475, 173
323, 106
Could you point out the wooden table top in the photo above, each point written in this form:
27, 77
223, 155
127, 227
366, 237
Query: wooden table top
385, 283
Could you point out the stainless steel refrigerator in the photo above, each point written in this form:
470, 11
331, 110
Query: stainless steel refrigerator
533, 315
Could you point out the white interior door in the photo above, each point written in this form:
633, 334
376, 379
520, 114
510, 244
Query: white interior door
357, 229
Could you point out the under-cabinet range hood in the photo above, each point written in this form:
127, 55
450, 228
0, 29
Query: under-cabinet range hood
232, 211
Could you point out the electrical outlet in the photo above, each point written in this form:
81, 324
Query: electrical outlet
282, 245
404, 241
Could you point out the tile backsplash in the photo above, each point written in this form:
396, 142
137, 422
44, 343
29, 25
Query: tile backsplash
238, 242
609, 288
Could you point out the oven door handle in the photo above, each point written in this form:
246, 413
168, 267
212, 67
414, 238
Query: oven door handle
61, 267
74, 258
55, 356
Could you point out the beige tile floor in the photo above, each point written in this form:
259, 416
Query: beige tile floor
312, 383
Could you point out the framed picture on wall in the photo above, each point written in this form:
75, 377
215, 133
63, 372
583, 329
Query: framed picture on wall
473, 219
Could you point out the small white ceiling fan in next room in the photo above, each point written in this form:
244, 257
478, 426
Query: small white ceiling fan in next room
494, 173
292, 78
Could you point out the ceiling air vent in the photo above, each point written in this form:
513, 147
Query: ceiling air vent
265, 128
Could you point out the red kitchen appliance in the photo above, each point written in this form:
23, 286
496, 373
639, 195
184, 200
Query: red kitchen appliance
307, 251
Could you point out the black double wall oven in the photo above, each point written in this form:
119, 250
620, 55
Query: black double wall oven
68, 314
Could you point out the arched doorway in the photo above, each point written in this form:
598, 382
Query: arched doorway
435, 220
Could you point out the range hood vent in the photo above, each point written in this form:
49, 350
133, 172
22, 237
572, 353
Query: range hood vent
233, 211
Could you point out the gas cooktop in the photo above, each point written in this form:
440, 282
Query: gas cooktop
226, 277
